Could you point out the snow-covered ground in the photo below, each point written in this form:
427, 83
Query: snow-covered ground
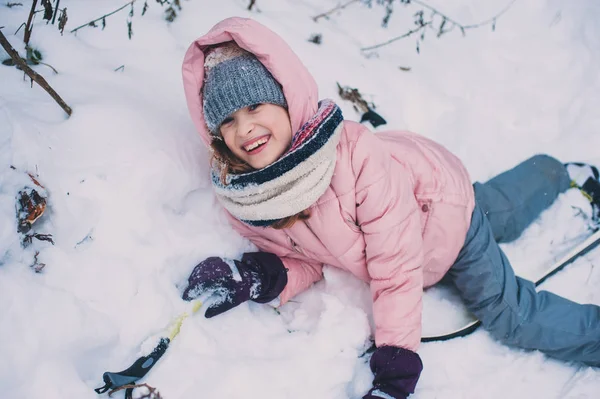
131, 209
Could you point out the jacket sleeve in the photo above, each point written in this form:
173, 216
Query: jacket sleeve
389, 217
301, 273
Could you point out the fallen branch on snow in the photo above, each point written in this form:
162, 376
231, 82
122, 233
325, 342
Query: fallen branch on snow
35, 77
152, 392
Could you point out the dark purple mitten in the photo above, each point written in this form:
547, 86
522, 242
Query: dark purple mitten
259, 276
396, 372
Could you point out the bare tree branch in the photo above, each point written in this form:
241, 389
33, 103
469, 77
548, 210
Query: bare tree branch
407, 34
28, 27
39, 79
493, 19
452, 21
104, 16
465, 27
55, 11
339, 7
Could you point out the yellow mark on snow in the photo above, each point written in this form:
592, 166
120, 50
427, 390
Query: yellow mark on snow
176, 326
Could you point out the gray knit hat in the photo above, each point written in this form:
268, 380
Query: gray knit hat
234, 79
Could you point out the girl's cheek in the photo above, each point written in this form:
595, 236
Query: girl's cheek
232, 147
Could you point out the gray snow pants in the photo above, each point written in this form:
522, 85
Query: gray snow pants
508, 306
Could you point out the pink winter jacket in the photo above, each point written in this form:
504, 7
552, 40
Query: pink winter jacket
395, 214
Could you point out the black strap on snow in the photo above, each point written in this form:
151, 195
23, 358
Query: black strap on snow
136, 371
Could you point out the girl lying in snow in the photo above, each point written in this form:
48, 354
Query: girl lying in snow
395, 209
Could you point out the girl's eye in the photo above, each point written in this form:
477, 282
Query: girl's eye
227, 121
254, 107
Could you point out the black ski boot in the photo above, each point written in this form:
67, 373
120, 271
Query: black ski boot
587, 179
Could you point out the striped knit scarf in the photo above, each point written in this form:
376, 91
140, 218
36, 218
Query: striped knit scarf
292, 183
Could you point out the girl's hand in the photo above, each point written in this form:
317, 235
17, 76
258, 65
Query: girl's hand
396, 372
259, 276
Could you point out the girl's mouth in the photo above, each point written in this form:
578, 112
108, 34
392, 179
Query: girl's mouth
257, 145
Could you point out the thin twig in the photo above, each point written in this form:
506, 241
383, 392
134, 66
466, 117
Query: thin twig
36, 77
55, 11
152, 392
252, 2
430, 8
28, 27
19, 28
104, 16
465, 27
339, 7
490, 20
451, 20
49, 66
407, 34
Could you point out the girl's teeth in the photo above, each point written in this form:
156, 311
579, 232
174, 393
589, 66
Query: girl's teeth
256, 144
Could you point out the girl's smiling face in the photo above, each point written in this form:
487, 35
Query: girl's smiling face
258, 134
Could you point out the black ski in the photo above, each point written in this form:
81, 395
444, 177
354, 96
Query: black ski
586, 246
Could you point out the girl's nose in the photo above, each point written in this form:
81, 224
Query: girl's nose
246, 126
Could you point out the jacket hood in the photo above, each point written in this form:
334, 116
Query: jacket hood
299, 87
